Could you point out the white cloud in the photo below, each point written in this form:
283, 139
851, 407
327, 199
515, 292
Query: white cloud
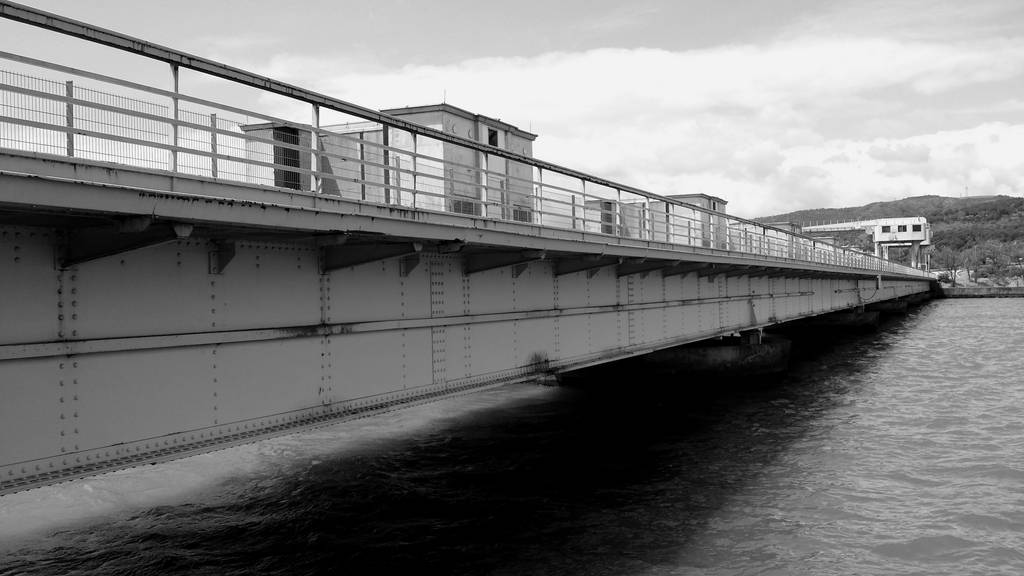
771, 127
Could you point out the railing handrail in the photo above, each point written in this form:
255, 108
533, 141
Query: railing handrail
57, 23
64, 25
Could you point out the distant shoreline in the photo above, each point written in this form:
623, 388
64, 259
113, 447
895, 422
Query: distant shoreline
983, 292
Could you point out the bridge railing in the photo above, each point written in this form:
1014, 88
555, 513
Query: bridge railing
50, 109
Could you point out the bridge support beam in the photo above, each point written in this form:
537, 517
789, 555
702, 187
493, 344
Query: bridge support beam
744, 271
87, 244
712, 272
343, 255
683, 269
221, 255
483, 261
590, 263
642, 266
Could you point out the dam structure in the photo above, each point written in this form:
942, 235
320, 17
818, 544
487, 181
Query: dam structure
179, 274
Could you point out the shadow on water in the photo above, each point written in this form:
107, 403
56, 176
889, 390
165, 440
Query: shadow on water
613, 473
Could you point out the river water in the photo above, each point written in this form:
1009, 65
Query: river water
900, 452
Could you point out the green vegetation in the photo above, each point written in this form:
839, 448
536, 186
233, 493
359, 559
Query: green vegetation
980, 237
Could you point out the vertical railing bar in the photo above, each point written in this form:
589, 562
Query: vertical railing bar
213, 144
362, 166
385, 138
174, 117
540, 198
315, 184
415, 167
69, 89
620, 225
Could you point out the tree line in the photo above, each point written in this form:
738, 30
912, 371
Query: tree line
1001, 263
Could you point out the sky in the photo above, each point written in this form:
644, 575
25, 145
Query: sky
774, 105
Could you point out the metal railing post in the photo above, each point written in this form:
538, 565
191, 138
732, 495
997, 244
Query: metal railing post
540, 200
213, 144
362, 166
314, 145
69, 88
620, 226
385, 139
174, 118
415, 168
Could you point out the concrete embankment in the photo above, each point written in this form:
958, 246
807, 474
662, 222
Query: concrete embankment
983, 292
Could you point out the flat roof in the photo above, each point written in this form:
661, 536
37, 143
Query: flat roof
448, 108
697, 195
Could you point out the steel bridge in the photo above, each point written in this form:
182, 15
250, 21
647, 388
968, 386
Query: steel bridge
178, 274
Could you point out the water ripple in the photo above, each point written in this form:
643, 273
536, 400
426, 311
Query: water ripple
897, 453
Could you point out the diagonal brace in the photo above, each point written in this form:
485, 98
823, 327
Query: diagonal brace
683, 269
587, 262
335, 256
87, 244
483, 261
642, 266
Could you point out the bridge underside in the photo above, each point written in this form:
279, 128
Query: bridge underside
135, 330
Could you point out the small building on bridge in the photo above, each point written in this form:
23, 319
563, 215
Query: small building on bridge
393, 166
